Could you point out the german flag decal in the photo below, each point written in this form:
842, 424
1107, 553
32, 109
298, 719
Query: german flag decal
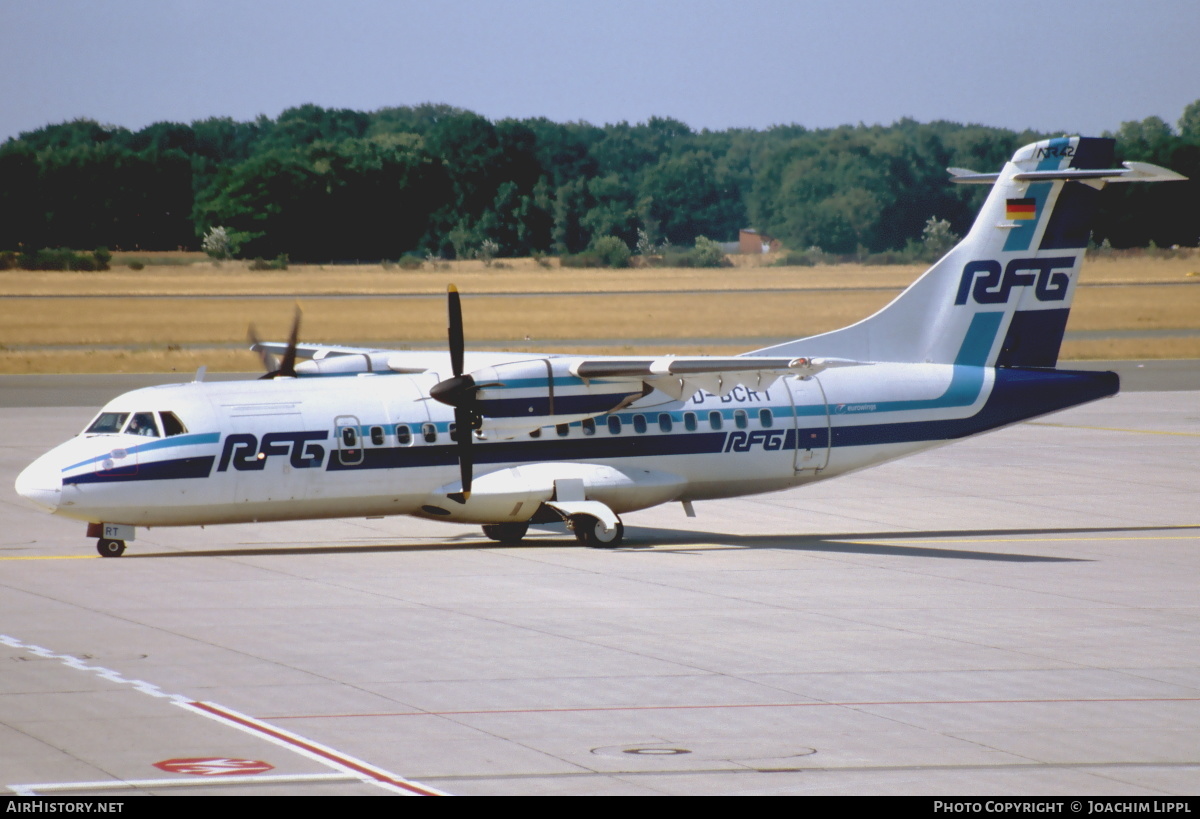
1019, 209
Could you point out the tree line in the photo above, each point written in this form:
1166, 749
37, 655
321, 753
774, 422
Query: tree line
324, 184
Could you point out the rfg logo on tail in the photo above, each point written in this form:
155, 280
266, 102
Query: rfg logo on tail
1050, 279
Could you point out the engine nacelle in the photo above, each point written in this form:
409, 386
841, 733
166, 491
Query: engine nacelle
525, 395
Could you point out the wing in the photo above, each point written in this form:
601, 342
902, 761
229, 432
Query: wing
685, 376
333, 359
520, 396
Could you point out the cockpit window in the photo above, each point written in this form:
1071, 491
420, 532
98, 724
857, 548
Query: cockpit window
142, 423
171, 424
107, 423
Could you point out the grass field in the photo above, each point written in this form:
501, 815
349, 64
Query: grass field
188, 315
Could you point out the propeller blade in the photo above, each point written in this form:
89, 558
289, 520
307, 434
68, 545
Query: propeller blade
270, 364
458, 392
288, 365
455, 331
274, 367
463, 431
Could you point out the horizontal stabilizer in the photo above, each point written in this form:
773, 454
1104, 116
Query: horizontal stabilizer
1131, 172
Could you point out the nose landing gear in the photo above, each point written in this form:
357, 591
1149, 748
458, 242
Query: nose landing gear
110, 548
112, 537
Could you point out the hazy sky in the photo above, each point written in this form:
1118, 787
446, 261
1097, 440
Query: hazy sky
1076, 66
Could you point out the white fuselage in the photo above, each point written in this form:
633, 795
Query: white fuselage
369, 445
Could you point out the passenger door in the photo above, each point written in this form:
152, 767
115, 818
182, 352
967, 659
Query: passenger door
812, 424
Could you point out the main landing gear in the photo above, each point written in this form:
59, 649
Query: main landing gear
507, 533
588, 530
110, 548
591, 532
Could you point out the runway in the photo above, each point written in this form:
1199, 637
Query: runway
1012, 614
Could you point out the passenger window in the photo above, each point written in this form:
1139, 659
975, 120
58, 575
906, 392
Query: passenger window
107, 423
537, 433
171, 424
765, 418
429, 433
403, 435
349, 453
142, 423
589, 426
639, 424
377, 436
664, 421
714, 419
614, 425
740, 420
689, 421
563, 430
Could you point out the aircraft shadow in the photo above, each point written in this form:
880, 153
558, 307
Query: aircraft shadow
640, 539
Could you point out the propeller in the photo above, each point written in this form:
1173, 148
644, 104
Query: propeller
275, 367
459, 392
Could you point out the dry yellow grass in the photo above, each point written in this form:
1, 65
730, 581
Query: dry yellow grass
1130, 348
519, 276
684, 307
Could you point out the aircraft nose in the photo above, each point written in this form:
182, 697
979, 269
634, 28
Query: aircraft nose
41, 483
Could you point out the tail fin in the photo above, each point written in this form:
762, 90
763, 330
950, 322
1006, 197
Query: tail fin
1001, 296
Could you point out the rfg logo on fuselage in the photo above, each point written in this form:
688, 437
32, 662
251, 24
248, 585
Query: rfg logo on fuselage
242, 450
768, 439
991, 286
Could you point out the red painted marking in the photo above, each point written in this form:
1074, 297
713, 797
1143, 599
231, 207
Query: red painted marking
214, 766
848, 704
316, 750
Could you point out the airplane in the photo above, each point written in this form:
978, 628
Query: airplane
507, 440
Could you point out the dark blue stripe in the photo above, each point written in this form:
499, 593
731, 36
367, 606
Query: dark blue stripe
1033, 338
1094, 153
539, 405
1018, 394
1070, 223
198, 467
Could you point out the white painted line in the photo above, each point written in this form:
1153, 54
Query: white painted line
313, 750
191, 782
365, 771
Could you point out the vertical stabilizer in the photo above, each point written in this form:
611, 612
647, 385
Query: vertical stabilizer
1001, 296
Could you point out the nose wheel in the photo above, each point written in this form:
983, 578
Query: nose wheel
110, 548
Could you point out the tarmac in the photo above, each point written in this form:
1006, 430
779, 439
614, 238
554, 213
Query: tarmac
1014, 614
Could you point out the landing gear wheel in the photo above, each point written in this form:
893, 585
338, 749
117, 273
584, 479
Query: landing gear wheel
110, 548
590, 532
510, 533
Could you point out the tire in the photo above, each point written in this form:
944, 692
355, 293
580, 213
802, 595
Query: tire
510, 533
110, 548
589, 532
